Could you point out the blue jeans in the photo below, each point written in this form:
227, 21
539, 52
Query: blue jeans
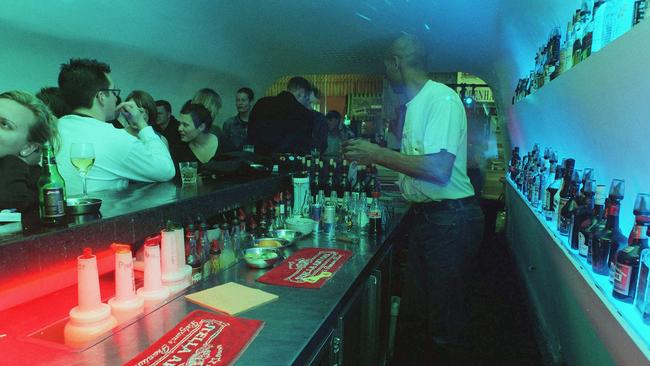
443, 246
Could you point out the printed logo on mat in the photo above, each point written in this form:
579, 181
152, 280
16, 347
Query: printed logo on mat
192, 344
201, 338
322, 261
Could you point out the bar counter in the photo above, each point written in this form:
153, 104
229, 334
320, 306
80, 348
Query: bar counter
304, 326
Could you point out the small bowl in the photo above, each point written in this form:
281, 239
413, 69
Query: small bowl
261, 257
300, 224
283, 243
82, 206
290, 235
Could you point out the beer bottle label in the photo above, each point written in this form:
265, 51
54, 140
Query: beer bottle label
582, 245
53, 203
622, 279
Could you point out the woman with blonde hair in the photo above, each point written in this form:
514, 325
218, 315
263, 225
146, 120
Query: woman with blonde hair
211, 100
26, 123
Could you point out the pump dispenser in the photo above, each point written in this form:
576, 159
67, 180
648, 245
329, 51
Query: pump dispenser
91, 318
175, 274
153, 291
126, 304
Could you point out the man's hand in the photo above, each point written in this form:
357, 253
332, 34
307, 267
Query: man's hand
361, 151
133, 114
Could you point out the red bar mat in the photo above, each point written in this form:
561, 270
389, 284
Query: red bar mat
296, 270
201, 338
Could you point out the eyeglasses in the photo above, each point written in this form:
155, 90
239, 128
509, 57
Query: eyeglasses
115, 92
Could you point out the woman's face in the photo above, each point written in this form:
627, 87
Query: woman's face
15, 121
186, 128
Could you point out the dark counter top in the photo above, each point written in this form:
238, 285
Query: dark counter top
293, 324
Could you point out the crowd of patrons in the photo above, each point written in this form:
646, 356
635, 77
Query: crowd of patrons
139, 139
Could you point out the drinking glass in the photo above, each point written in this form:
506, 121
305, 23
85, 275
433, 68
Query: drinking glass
82, 157
188, 170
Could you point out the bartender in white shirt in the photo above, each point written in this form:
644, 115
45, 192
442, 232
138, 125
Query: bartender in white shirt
447, 224
90, 93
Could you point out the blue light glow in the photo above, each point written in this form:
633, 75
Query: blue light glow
363, 17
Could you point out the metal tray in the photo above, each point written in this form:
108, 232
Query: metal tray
82, 206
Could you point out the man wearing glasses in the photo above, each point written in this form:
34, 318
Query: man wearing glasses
90, 93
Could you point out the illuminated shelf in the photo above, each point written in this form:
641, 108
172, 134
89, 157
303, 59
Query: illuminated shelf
625, 314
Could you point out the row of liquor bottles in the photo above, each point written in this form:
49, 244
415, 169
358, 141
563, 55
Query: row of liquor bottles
593, 25
572, 203
216, 243
347, 200
335, 178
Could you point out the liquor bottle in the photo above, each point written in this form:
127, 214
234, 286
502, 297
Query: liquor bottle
51, 190
343, 184
598, 221
536, 185
329, 184
212, 265
566, 58
583, 217
627, 259
640, 8
606, 243
513, 165
624, 16
565, 192
375, 216
205, 245
642, 302
315, 182
577, 41
599, 38
193, 258
569, 206
588, 31
227, 257
550, 193
321, 181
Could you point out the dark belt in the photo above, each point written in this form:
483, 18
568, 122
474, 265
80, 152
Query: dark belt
446, 204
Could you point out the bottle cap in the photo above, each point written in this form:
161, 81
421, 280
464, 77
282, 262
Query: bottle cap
153, 240
87, 253
642, 204
617, 189
119, 248
589, 186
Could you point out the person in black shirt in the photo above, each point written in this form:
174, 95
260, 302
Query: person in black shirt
166, 124
235, 129
197, 143
282, 123
25, 124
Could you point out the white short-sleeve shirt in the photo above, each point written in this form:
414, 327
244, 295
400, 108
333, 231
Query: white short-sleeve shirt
435, 120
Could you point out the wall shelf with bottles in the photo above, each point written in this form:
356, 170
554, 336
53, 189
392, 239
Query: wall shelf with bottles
593, 26
627, 315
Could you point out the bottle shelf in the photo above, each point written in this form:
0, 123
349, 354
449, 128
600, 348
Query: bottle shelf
625, 314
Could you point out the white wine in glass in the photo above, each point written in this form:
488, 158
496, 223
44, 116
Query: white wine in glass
82, 157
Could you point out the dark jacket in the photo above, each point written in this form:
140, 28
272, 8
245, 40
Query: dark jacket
280, 124
18, 183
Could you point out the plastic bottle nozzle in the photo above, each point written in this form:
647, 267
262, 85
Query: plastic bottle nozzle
87, 253
119, 248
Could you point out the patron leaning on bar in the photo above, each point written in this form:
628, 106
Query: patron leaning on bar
26, 124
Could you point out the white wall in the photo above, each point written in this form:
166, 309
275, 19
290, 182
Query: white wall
29, 61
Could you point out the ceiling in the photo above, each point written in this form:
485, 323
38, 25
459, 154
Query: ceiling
494, 39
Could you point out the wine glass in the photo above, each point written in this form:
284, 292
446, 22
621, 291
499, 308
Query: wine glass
82, 157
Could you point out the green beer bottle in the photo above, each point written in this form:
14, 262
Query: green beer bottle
51, 190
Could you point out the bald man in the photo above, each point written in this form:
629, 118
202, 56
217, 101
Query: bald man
448, 223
